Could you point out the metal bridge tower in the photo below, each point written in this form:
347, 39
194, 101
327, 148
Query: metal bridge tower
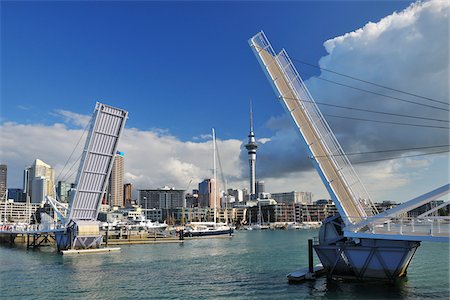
81, 225
359, 242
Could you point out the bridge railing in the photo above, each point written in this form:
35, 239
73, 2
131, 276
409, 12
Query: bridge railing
24, 228
426, 226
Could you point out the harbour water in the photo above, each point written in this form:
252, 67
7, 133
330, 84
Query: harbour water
250, 265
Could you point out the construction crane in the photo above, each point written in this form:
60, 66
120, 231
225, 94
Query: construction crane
359, 241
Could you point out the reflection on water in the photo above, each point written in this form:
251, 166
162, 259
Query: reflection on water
251, 265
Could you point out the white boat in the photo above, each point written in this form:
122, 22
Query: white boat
140, 220
134, 220
206, 229
259, 227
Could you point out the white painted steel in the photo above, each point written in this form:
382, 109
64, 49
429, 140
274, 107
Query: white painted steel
96, 163
400, 209
338, 175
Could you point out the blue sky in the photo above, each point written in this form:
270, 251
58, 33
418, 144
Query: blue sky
185, 67
180, 68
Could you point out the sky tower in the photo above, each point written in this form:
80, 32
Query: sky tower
251, 148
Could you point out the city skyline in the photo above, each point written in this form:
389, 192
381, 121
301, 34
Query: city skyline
165, 147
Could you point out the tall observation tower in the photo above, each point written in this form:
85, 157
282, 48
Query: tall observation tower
251, 148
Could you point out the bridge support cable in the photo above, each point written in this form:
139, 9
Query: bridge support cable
353, 202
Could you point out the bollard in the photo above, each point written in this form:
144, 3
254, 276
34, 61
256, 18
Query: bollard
107, 233
310, 256
181, 234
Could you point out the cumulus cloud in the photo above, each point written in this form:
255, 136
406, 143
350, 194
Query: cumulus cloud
407, 50
72, 118
153, 158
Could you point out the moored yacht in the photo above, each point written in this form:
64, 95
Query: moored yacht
206, 229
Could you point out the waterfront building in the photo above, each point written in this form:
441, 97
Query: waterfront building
36, 173
385, 205
16, 195
115, 187
167, 198
207, 193
17, 212
284, 213
3, 178
251, 150
316, 212
127, 194
153, 214
267, 214
293, 197
63, 191
239, 214
197, 214
428, 206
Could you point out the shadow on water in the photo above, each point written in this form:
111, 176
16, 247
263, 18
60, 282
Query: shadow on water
366, 289
351, 289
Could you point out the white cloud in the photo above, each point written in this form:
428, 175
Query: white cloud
73, 118
152, 159
24, 107
407, 50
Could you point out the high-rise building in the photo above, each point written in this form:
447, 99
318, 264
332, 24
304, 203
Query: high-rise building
251, 149
3, 175
293, 197
164, 198
207, 192
39, 189
26, 189
16, 195
260, 187
63, 191
127, 193
237, 194
116, 181
39, 170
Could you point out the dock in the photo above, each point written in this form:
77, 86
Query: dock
89, 251
304, 274
144, 241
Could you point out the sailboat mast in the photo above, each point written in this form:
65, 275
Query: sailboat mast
214, 174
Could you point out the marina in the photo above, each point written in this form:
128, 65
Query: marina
139, 200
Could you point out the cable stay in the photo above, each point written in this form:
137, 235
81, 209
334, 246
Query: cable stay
73, 151
400, 157
368, 82
384, 159
387, 122
384, 151
375, 93
373, 111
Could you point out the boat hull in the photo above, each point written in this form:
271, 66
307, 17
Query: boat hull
208, 232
